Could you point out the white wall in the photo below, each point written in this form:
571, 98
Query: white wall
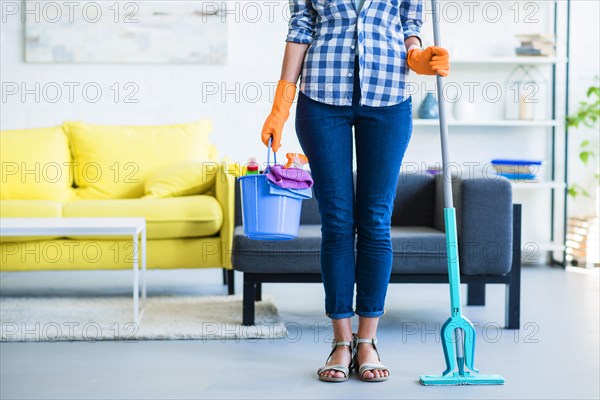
167, 93
174, 93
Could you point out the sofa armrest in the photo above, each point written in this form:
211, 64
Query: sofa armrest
225, 195
484, 213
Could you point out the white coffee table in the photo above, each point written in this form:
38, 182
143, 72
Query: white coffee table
133, 227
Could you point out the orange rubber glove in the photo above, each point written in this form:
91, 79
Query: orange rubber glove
284, 97
433, 60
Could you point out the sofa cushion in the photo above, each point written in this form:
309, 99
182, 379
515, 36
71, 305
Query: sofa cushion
417, 250
178, 217
300, 255
29, 209
35, 165
415, 199
183, 179
113, 162
109, 253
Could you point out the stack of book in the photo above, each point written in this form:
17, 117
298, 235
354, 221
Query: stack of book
536, 45
517, 170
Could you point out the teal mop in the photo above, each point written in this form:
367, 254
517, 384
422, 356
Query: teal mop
458, 333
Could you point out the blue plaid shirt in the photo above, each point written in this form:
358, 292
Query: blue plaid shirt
334, 30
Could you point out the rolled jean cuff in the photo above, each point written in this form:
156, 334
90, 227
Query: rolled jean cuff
349, 314
370, 314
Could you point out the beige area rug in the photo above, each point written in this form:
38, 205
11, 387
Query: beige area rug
31, 319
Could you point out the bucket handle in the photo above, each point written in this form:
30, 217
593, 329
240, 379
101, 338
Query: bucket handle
269, 151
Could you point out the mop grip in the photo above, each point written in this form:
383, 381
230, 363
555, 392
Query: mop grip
453, 263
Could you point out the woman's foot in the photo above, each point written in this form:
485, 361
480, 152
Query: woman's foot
341, 355
367, 361
366, 354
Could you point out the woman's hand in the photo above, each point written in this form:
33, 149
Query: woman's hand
284, 97
431, 61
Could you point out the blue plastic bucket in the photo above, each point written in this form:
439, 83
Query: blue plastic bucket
268, 216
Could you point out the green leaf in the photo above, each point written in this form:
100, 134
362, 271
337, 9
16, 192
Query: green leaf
572, 121
593, 90
585, 143
584, 156
572, 192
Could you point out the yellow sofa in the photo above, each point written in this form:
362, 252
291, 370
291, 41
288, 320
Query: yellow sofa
170, 175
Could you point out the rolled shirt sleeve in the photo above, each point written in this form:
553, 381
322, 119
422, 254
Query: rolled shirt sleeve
411, 14
302, 22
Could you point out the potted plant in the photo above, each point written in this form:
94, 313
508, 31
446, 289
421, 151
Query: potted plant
582, 237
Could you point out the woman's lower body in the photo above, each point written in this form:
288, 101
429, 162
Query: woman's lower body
355, 214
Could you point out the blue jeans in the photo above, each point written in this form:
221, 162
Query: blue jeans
348, 215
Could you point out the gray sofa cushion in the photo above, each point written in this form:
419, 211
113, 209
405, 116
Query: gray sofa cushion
414, 204
416, 250
310, 212
484, 214
301, 255
486, 246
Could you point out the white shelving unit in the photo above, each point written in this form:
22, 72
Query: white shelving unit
553, 186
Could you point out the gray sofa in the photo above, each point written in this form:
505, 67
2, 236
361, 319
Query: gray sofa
488, 231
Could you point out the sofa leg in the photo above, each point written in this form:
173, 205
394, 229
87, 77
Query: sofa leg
513, 300
258, 291
224, 276
230, 282
513, 289
248, 302
476, 294
512, 308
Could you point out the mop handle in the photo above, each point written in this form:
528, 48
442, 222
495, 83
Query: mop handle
449, 212
451, 239
442, 111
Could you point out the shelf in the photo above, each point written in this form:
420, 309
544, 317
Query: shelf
509, 60
490, 122
538, 185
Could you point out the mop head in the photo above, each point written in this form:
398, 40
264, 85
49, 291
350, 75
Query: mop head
456, 378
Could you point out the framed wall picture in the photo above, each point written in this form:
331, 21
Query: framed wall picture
155, 32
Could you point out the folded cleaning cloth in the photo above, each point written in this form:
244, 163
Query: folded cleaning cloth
293, 193
289, 178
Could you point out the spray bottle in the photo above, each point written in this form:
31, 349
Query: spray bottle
296, 160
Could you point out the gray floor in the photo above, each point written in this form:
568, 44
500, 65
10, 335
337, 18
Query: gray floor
554, 356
